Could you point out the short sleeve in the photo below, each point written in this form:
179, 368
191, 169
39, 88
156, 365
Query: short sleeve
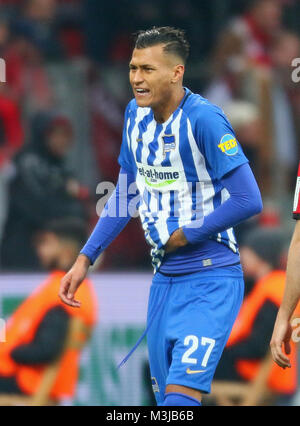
125, 157
296, 207
218, 142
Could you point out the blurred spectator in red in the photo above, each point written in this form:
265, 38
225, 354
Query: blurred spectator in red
278, 100
247, 123
248, 64
11, 129
285, 108
37, 24
71, 28
244, 117
42, 189
106, 127
11, 140
26, 76
245, 43
258, 27
270, 217
4, 34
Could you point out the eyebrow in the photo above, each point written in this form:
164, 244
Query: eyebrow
141, 66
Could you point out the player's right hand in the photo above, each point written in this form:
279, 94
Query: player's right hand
281, 336
176, 240
72, 280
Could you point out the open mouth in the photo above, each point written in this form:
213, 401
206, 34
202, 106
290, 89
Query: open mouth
142, 92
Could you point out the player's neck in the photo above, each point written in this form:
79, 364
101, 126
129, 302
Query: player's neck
163, 111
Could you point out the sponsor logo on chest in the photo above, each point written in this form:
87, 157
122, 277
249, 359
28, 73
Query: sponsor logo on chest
157, 176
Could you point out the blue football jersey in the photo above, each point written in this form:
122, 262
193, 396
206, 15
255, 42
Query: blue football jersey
178, 166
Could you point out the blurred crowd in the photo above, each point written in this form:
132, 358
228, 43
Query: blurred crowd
241, 60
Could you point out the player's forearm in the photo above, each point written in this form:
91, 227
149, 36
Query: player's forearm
292, 287
113, 219
244, 202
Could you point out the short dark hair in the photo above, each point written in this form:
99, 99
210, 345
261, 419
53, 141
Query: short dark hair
70, 228
174, 40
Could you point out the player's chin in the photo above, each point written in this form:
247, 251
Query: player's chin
143, 102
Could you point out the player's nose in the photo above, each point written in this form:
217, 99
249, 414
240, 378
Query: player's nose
137, 77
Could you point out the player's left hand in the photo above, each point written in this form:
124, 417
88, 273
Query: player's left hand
281, 336
176, 240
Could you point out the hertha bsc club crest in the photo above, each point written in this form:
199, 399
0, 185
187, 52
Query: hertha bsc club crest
169, 143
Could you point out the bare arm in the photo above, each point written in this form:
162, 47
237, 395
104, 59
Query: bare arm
292, 287
72, 280
282, 329
106, 230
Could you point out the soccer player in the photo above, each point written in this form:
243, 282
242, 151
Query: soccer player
193, 183
282, 328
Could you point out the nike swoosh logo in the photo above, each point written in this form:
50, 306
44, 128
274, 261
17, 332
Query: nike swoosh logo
189, 371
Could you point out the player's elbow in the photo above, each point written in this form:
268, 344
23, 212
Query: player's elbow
256, 205
252, 205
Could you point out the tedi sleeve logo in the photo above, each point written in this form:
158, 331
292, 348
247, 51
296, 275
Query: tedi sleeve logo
228, 145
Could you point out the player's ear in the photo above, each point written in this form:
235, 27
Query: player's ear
178, 72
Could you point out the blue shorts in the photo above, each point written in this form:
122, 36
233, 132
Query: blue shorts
190, 318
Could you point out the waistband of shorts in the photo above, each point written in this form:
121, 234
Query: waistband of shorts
230, 271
